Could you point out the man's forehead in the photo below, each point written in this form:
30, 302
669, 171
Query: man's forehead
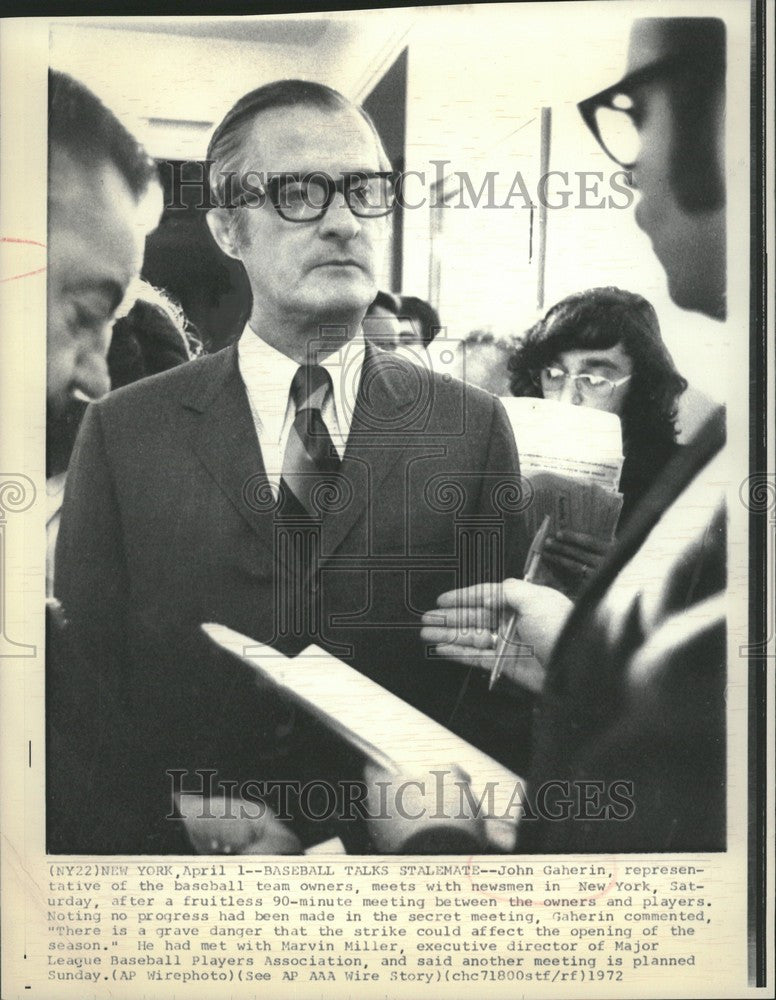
306, 137
96, 191
654, 38
93, 212
597, 356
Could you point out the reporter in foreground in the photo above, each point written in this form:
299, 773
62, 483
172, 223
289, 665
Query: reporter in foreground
635, 672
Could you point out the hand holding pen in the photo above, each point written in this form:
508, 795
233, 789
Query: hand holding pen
508, 637
460, 627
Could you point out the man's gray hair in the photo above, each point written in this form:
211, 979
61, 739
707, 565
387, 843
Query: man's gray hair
225, 149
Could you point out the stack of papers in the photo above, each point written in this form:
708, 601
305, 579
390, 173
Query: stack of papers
380, 726
572, 457
575, 441
573, 505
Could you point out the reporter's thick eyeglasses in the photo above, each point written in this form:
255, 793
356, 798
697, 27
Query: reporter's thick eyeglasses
306, 197
552, 381
614, 115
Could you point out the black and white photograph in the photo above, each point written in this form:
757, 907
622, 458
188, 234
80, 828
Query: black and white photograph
388, 500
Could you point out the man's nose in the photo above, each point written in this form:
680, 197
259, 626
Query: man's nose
571, 393
91, 374
339, 220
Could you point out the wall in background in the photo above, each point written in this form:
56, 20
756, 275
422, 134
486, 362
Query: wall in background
477, 78
183, 74
477, 83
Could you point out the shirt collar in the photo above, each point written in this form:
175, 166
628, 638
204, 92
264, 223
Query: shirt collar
55, 494
267, 374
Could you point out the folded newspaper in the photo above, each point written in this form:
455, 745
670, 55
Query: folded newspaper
382, 728
572, 457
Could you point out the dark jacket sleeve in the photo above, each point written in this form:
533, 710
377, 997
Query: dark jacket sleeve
511, 497
90, 569
630, 741
95, 796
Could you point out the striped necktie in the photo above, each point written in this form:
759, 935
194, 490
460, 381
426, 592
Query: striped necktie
310, 459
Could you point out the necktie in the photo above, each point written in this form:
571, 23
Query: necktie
310, 460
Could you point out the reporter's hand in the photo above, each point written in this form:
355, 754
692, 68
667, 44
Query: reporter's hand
576, 552
466, 623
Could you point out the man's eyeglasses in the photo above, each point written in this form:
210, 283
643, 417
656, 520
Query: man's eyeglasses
614, 115
552, 380
306, 197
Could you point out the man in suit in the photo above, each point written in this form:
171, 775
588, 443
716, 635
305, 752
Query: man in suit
300, 486
629, 750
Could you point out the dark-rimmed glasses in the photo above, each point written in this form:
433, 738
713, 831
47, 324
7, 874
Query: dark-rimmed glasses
298, 197
614, 115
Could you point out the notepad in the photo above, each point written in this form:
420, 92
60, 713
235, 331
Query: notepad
575, 441
572, 457
380, 725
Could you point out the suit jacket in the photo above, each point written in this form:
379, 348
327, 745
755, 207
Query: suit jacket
168, 522
630, 740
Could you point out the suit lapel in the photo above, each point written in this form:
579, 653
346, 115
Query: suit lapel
385, 421
224, 438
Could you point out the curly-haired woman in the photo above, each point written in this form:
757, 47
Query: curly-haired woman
602, 348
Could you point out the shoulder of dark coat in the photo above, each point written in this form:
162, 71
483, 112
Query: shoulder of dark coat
193, 378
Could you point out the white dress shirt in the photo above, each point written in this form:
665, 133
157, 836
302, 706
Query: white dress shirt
267, 375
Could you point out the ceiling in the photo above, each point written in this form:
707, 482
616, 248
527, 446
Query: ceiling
300, 32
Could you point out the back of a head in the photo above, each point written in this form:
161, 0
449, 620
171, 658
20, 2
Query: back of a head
150, 339
81, 126
387, 301
422, 313
484, 360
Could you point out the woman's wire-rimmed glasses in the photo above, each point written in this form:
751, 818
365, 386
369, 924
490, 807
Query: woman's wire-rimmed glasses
552, 380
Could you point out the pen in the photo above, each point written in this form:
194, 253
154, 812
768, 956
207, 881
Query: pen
532, 563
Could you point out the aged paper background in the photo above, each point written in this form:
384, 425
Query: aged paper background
537, 54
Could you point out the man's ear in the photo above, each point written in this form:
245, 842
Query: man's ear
221, 225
